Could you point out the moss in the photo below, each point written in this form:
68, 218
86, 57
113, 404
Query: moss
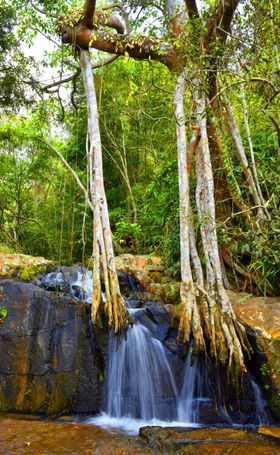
4, 249
32, 270
274, 404
3, 314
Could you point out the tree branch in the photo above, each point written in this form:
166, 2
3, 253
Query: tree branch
42, 11
192, 8
104, 62
74, 173
63, 81
141, 48
89, 10
219, 24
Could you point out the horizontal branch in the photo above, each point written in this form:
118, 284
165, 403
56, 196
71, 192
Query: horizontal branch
63, 80
141, 48
104, 62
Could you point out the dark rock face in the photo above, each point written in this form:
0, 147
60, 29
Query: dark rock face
50, 362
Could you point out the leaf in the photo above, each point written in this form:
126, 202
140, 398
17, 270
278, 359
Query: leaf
3, 314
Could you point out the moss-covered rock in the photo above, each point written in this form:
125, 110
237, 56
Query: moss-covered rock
4, 249
22, 266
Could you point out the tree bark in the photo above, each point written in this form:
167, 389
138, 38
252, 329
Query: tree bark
234, 130
188, 312
115, 309
205, 310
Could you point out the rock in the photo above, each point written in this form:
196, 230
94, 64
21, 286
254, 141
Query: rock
30, 437
270, 431
262, 316
156, 319
206, 441
50, 362
158, 312
22, 266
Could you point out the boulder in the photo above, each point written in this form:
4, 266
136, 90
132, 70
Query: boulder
50, 362
22, 266
262, 316
206, 441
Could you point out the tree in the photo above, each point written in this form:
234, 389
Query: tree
197, 48
205, 310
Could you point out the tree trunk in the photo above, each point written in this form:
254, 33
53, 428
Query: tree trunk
115, 309
205, 310
188, 311
234, 131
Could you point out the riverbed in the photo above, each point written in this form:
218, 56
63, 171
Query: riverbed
25, 436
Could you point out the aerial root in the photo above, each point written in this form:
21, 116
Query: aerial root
227, 337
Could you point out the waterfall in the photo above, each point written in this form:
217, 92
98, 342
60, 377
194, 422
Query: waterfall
83, 286
261, 415
192, 392
197, 392
140, 382
141, 387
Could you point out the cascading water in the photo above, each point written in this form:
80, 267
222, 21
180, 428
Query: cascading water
141, 388
262, 416
192, 391
140, 382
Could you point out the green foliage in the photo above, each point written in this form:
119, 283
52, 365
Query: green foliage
3, 314
264, 369
31, 271
127, 234
274, 404
4, 249
265, 249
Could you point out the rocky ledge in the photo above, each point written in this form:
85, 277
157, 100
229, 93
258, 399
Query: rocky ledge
49, 360
34, 437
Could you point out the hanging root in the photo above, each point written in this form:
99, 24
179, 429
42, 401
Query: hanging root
118, 316
115, 309
121, 316
189, 317
210, 319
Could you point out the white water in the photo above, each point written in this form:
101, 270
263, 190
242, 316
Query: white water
84, 283
261, 414
131, 426
191, 394
141, 388
140, 381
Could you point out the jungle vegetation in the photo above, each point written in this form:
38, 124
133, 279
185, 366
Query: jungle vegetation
150, 128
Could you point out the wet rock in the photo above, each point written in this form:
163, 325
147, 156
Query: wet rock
206, 440
262, 315
50, 362
270, 431
23, 437
157, 319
